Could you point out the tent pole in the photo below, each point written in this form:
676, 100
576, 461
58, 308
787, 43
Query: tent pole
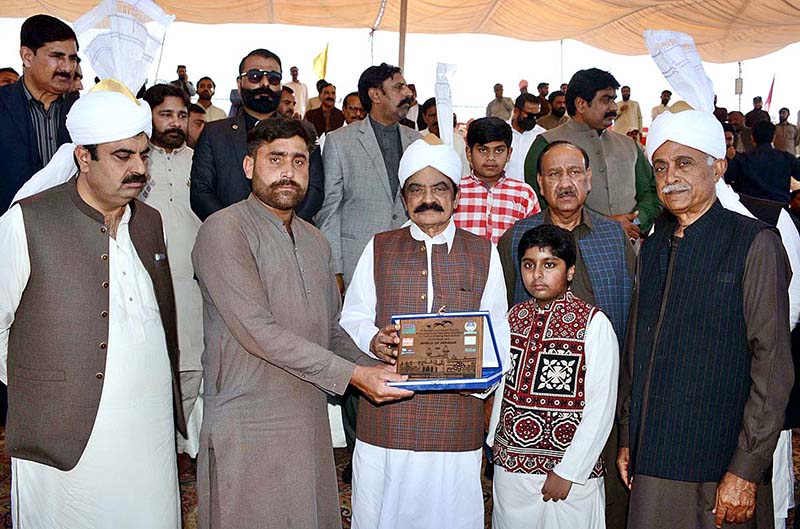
562, 61
403, 19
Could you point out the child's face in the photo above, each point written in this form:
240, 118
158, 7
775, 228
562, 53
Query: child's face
544, 275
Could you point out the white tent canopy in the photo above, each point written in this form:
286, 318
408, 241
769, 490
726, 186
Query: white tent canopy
724, 30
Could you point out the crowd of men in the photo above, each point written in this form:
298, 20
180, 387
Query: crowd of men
204, 285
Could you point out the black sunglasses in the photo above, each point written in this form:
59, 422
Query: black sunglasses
255, 76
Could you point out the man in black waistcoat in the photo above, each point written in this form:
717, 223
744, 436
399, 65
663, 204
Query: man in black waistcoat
707, 368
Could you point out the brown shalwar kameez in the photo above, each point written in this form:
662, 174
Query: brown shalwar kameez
271, 310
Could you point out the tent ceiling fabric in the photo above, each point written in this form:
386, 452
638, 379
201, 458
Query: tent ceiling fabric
724, 30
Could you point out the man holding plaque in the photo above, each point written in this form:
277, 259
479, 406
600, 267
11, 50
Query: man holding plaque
417, 461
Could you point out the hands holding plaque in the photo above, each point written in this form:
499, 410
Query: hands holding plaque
384, 344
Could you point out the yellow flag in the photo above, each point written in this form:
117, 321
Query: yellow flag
321, 63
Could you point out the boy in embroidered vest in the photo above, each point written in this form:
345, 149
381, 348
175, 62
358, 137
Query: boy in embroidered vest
558, 398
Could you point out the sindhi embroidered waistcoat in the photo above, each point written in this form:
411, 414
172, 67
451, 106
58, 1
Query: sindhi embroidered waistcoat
544, 394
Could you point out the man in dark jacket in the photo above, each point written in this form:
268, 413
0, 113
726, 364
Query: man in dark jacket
218, 178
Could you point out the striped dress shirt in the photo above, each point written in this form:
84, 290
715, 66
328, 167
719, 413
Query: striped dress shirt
45, 123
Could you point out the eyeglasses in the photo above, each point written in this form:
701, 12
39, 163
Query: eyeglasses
255, 76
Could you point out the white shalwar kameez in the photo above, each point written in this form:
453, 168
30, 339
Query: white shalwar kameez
126, 477
403, 489
518, 501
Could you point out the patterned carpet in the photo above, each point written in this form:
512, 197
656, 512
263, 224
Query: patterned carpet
189, 494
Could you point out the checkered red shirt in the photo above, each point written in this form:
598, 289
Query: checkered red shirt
489, 213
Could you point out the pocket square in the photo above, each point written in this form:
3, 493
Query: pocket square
160, 257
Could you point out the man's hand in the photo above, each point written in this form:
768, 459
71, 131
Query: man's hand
736, 500
340, 283
555, 487
730, 152
371, 381
624, 465
631, 229
384, 344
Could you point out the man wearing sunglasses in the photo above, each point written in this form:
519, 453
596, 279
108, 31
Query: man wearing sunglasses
218, 178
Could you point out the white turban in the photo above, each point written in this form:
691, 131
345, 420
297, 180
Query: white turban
421, 154
676, 56
693, 128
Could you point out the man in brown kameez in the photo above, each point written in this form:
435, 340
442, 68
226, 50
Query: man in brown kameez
274, 348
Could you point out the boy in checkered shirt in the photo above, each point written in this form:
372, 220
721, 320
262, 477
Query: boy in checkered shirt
491, 202
554, 410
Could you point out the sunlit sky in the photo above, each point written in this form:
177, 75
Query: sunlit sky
482, 61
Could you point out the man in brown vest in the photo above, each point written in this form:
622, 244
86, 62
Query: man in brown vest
88, 337
417, 461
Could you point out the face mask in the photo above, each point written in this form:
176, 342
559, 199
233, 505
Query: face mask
262, 105
527, 123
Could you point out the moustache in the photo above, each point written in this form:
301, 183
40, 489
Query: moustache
406, 101
675, 188
611, 115
570, 192
65, 75
429, 206
135, 178
179, 132
284, 182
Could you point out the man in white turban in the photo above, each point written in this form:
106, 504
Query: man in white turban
88, 339
417, 461
707, 368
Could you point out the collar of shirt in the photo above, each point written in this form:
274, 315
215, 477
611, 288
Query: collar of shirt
477, 181
35, 101
163, 151
382, 129
586, 221
249, 121
446, 237
265, 213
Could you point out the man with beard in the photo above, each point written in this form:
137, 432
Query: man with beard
417, 462
558, 111
629, 115
622, 180
666, 95
168, 167
544, 104
183, 82
205, 92
33, 111
286, 108
274, 349
524, 130
327, 117
362, 192
430, 117
218, 179
757, 114
787, 136
197, 122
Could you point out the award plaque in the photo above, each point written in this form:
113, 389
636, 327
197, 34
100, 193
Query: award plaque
443, 346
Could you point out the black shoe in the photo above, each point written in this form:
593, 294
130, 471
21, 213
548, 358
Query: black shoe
347, 473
